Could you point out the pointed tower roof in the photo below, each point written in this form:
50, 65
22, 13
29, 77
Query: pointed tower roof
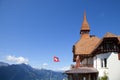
85, 25
86, 43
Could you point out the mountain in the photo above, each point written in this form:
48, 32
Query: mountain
3, 64
26, 72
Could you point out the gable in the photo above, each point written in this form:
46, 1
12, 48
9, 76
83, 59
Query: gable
107, 44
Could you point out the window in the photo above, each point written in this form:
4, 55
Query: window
104, 62
101, 62
84, 78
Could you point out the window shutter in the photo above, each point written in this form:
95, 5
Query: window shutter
119, 56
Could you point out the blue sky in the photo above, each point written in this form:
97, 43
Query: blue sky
36, 30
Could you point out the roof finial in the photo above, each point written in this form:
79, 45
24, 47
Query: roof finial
85, 25
84, 15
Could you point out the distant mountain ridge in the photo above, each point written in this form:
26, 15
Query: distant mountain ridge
26, 72
4, 64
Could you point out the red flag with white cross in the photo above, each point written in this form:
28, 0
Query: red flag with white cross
56, 59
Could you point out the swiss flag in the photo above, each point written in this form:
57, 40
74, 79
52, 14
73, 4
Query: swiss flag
56, 59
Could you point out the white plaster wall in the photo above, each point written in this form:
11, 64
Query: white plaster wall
97, 63
113, 65
97, 59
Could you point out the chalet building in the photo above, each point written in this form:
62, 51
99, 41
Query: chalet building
95, 58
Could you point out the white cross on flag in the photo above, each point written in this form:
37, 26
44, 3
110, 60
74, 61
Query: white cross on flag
56, 59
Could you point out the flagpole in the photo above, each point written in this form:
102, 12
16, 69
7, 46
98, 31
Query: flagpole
50, 74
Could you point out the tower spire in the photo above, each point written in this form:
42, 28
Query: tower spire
85, 29
84, 16
85, 25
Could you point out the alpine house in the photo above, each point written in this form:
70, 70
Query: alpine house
96, 59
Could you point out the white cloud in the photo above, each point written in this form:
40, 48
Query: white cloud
17, 60
45, 64
64, 68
